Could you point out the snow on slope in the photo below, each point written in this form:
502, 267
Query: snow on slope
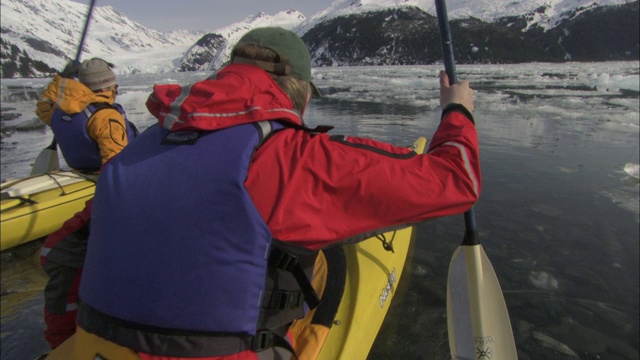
550, 11
50, 30
288, 19
56, 26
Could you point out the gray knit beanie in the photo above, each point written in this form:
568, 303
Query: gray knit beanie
96, 74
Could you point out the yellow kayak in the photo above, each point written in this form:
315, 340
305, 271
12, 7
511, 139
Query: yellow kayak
38, 205
345, 327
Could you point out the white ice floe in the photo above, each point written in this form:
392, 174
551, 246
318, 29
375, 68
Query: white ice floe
551, 343
614, 82
632, 169
543, 280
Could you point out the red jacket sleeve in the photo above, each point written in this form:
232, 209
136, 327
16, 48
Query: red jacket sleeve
317, 189
75, 223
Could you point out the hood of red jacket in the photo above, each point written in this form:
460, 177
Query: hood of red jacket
237, 95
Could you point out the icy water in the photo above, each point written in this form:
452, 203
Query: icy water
558, 215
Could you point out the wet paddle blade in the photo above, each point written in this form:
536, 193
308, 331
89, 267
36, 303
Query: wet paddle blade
477, 317
47, 160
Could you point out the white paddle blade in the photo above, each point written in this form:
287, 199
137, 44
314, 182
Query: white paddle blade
45, 162
477, 318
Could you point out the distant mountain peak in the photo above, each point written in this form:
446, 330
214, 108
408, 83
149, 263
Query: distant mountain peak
40, 36
255, 17
544, 13
56, 27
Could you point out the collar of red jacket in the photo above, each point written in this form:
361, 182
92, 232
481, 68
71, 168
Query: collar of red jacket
239, 94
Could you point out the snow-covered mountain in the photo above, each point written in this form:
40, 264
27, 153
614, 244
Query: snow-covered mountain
41, 36
49, 31
544, 13
408, 34
212, 50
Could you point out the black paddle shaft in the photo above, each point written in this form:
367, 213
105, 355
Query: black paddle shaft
471, 233
76, 62
447, 43
84, 32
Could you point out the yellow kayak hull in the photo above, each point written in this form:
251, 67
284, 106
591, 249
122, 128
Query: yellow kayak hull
36, 206
372, 277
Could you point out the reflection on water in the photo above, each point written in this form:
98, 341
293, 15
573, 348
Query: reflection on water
558, 215
21, 303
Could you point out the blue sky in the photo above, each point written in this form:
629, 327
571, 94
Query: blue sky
165, 15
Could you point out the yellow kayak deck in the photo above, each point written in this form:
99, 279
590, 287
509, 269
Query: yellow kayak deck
36, 206
354, 303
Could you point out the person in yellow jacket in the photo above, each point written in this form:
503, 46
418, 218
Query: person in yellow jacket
88, 125
90, 128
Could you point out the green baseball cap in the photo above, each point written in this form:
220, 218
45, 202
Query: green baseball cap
295, 59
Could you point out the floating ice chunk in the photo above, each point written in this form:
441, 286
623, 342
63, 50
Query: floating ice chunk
546, 209
419, 270
33, 124
568, 170
626, 198
551, 343
543, 280
632, 169
607, 82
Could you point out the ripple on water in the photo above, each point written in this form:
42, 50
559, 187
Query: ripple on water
21, 303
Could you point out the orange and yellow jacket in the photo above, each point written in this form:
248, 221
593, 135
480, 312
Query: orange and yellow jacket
107, 127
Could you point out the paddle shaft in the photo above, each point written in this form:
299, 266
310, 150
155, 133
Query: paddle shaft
49, 156
84, 32
471, 233
53, 146
477, 317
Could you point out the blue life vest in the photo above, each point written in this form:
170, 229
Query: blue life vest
184, 246
80, 151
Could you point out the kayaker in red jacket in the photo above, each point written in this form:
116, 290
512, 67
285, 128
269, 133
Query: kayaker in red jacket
187, 219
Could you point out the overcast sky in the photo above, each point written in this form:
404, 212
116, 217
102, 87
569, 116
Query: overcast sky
165, 15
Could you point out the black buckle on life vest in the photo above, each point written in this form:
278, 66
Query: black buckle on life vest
283, 260
265, 339
262, 340
282, 300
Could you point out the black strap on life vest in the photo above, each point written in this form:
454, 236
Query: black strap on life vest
97, 106
283, 260
180, 343
102, 105
194, 343
266, 339
282, 299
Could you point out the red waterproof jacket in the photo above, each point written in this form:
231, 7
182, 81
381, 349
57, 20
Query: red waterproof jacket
315, 189
340, 188
62, 257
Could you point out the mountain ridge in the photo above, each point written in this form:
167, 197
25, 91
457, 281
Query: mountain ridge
40, 36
